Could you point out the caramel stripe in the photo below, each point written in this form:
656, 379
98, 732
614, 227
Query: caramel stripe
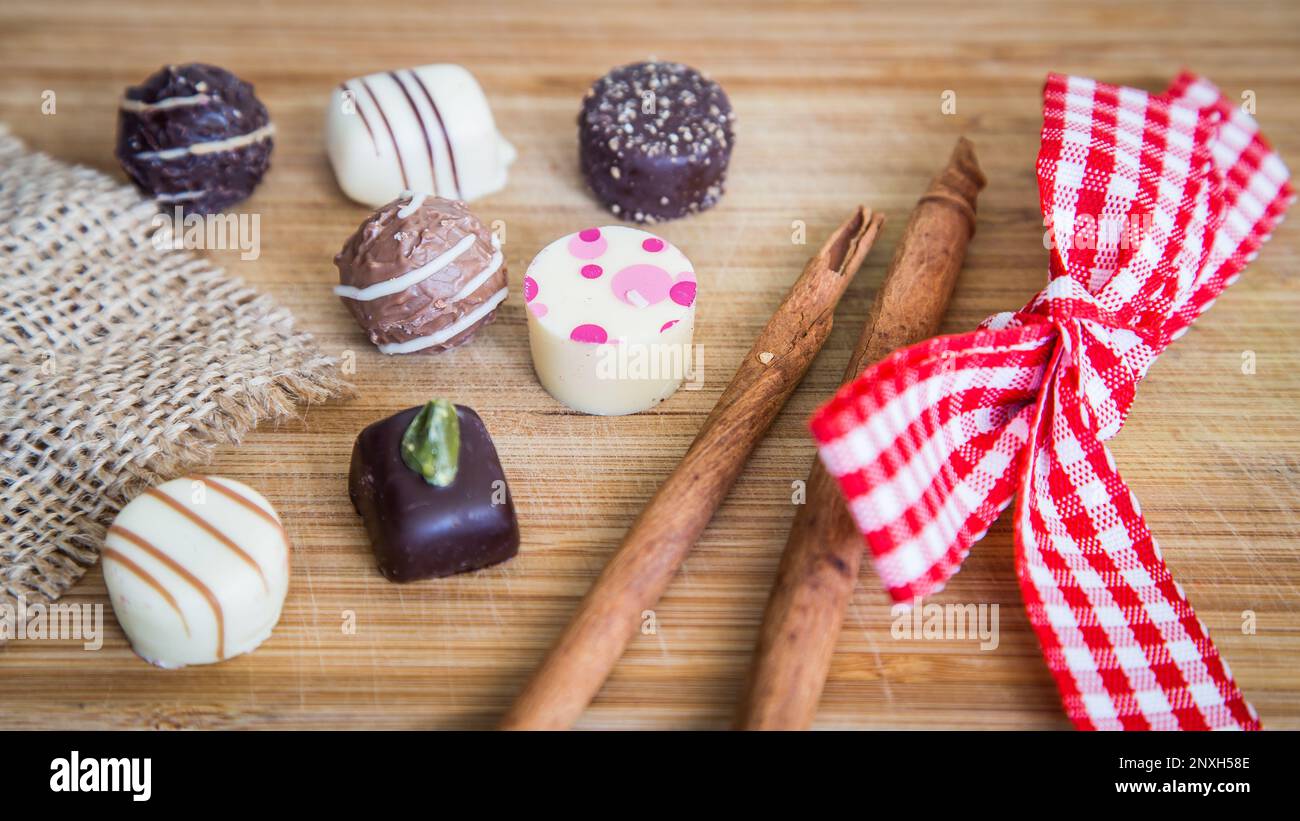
193, 580
179, 101
236, 497
401, 166
209, 529
110, 554
210, 146
373, 142
424, 130
451, 155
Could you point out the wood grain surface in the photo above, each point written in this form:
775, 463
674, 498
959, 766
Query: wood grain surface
838, 104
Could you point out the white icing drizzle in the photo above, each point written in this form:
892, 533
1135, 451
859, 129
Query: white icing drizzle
416, 275
477, 282
211, 146
180, 196
400, 283
454, 329
417, 199
165, 103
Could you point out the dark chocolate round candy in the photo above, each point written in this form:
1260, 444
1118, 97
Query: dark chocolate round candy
194, 136
654, 140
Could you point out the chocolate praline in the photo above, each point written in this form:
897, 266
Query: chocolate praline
194, 136
421, 531
421, 274
654, 141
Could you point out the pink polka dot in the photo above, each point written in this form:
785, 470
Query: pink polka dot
530, 289
668, 325
539, 310
642, 285
683, 293
592, 271
653, 245
587, 244
589, 333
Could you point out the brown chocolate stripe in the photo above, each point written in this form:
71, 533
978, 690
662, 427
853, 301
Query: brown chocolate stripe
179, 570
373, 142
145, 576
210, 530
424, 130
451, 155
401, 166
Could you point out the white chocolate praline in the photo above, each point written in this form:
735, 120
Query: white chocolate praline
427, 128
197, 570
611, 315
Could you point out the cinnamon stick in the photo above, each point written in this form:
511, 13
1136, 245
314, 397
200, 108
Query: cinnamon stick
660, 538
824, 550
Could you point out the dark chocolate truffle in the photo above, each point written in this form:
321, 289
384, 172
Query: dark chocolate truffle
420, 530
194, 136
654, 140
421, 274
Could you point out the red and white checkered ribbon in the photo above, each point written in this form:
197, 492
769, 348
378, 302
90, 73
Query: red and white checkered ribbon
1154, 204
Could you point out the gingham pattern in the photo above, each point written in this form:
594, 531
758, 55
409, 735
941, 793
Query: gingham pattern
1153, 203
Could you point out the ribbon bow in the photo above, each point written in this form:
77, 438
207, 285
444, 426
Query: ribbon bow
1154, 204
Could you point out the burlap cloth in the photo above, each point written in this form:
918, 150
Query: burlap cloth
121, 364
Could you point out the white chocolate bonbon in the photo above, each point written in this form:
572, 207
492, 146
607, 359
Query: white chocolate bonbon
611, 313
197, 570
427, 129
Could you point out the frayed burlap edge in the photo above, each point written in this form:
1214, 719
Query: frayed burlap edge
123, 362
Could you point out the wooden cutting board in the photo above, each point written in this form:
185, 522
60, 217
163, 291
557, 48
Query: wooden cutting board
837, 104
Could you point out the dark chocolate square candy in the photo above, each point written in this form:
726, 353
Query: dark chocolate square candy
418, 530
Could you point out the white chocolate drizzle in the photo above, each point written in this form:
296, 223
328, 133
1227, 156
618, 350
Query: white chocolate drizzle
211, 146
417, 199
140, 106
477, 282
179, 196
454, 329
417, 275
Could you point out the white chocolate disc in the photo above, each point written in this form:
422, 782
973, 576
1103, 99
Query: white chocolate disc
426, 129
611, 313
197, 570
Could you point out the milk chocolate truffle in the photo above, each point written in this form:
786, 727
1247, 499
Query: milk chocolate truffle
654, 140
194, 136
197, 570
430, 489
421, 274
